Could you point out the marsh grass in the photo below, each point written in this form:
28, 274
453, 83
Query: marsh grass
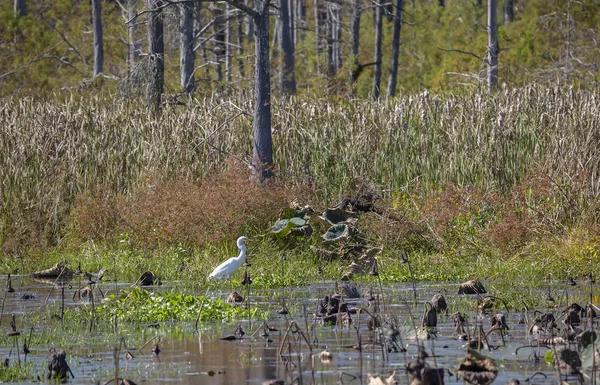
472, 184
53, 152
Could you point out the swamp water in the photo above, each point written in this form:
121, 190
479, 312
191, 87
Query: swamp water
188, 356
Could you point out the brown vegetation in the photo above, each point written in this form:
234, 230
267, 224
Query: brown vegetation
162, 212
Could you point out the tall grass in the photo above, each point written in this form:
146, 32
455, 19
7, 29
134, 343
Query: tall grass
51, 152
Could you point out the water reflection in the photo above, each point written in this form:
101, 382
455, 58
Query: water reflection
190, 357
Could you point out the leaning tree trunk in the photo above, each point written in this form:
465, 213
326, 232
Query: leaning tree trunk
492, 59
355, 26
262, 152
98, 42
186, 48
287, 80
156, 51
391, 91
509, 11
378, 54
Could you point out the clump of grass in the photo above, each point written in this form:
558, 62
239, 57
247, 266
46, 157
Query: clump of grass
139, 305
17, 372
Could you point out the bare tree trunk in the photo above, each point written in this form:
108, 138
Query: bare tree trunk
334, 32
134, 47
228, 40
249, 24
219, 38
317, 35
330, 40
378, 54
186, 48
20, 9
240, 43
300, 24
492, 58
292, 7
338, 37
197, 28
355, 25
391, 91
98, 41
262, 152
156, 53
287, 80
509, 11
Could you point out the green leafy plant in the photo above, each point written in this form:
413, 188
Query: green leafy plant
139, 305
283, 227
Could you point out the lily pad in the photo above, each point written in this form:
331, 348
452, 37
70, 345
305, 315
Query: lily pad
337, 215
282, 227
336, 232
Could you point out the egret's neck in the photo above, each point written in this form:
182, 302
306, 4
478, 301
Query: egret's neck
242, 255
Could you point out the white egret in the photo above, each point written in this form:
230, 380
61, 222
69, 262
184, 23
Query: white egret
230, 266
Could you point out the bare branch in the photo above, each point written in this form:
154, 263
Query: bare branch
463, 52
207, 26
121, 6
60, 59
243, 7
62, 35
42, 56
236, 3
168, 3
468, 75
8, 73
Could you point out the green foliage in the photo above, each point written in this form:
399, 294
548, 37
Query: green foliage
139, 305
51, 49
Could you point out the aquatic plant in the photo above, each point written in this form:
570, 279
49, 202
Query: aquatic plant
139, 305
13, 372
